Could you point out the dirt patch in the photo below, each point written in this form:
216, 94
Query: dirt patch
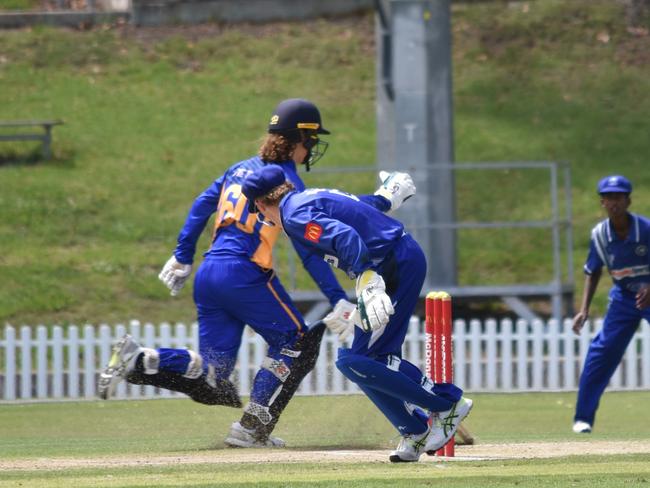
481, 452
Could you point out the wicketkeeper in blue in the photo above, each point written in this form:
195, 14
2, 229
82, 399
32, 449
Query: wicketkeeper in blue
236, 286
619, 243
389, 268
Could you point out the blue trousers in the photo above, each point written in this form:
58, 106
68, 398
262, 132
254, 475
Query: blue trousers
231, 292
396, 387
605, 354
404, 276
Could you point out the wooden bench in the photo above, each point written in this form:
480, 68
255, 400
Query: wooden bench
20, 135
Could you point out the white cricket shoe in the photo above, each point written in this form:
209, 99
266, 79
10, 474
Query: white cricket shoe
580, 427
410, 448
125, 354
240, 436
445, 424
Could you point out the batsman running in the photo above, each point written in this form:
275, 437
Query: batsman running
389, 268
236, 285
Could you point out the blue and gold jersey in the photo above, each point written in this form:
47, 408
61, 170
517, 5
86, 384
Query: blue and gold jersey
626, 260
238, 232
349, 232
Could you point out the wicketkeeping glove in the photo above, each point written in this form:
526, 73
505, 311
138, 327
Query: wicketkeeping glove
341, 319
375, 307
174, 275
396, 187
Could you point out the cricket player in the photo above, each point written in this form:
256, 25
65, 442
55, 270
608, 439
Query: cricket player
389, 268
236, 285
619, 243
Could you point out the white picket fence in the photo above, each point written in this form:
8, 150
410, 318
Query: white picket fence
64, 362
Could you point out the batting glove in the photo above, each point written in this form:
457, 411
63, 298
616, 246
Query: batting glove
174, 275
375, 307
396, 187
341, 320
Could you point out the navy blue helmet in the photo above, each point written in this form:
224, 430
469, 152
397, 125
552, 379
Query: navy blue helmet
298, 120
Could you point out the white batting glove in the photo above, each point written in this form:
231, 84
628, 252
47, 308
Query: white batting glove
341, 320
375, 307
174, 275
396, 187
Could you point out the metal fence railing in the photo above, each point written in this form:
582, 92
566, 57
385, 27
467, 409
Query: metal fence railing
67, 13
520, 211
489, 356
89, 5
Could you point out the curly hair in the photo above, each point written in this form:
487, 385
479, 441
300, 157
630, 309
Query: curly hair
274, 196
276, 147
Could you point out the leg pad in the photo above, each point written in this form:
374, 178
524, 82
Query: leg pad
309, 347
205, 389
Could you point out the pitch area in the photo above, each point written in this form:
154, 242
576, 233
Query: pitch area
521, 439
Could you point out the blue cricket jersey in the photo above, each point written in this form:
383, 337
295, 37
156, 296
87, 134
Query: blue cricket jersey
349, 232
238, 232
626, 260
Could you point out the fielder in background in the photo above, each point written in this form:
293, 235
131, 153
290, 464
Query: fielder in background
620, 243
235, 286
389, 268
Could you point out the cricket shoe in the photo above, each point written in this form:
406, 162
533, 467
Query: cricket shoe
125, 354
240, 436
581, 427
446, 423
410, 448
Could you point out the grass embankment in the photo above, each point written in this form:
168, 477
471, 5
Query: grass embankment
12, 5
154, 115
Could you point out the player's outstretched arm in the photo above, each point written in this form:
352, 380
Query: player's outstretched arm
178, 268
396, 187
320, 272
591, 284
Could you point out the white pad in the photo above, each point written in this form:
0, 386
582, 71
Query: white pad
278, 367
259, 411
195, 366
150, 360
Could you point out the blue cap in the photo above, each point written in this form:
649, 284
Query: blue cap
296, 113
614, 184
262, 182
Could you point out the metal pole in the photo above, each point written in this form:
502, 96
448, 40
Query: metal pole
569, 235
415, 129
557, 265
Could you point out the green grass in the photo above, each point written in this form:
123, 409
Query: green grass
159, 426
598, 471
19, 5
151, 119
96, 430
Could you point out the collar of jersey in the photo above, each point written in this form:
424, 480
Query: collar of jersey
634, 231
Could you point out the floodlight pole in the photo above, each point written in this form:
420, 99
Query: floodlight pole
414, 122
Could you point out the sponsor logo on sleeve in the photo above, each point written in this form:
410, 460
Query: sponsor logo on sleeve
313, 231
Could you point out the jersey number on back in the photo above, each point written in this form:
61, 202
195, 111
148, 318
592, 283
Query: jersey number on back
232, 209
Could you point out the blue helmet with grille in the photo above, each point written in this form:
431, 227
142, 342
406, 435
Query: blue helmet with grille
299, 120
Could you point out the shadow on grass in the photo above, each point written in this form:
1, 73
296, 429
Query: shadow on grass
61, 158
